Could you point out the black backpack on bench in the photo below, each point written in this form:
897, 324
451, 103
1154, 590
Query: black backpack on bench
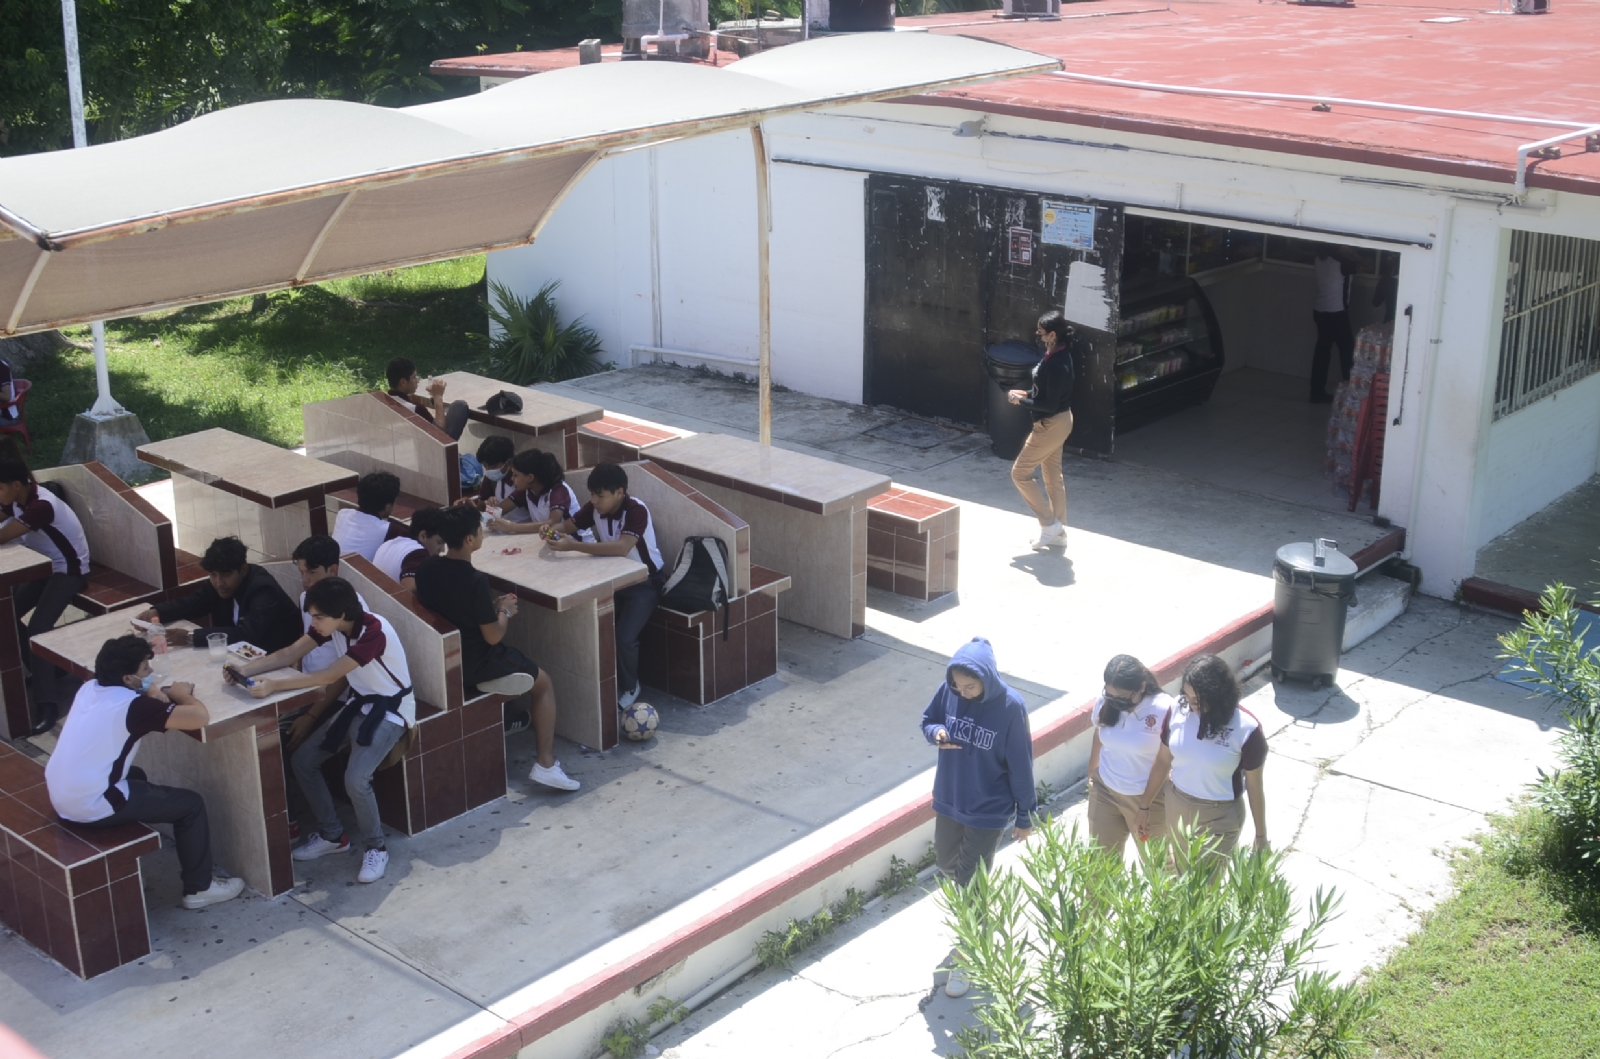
699, 579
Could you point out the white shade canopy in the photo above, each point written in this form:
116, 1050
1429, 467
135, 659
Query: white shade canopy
271, 195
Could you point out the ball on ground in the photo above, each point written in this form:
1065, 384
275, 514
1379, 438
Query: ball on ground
639, 721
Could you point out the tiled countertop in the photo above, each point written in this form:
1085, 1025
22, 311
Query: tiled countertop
556, 579
540, 410
790, 478
254, 470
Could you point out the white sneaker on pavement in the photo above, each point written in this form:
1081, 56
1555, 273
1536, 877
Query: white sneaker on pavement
956, 985
373, 864
554, 776
512, 685
317, 846
628, 698
219, 891
1051, 536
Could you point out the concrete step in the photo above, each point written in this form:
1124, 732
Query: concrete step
1379, 600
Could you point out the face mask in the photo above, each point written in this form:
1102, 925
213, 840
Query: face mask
494, 475
144, 682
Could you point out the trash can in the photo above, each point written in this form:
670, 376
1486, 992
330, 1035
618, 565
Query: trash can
1010, 367
1314, 584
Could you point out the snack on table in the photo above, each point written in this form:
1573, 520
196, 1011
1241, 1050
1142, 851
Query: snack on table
245, 652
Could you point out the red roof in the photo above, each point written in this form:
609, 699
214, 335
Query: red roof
1539, 66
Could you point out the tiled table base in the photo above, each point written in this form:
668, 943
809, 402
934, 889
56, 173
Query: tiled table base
457, 764
577, 647
913, 543
74, 893
688, 655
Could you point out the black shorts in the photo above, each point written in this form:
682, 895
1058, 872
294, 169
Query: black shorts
501, 661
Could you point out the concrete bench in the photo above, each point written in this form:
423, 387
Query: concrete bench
692, 655
368, 432
459, 760
133, 558
74, 893
913, 543
616, 438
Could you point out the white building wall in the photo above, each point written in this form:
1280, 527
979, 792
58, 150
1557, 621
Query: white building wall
1450, 476
1538, 453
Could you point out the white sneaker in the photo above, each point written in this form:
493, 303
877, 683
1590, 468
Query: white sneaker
511, 685
956, 985
373, 865
219, 891
628, 698
1052, 536
317, 846
553, 776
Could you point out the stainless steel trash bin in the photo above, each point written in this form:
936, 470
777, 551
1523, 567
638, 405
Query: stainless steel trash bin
1010, 367
1314, 585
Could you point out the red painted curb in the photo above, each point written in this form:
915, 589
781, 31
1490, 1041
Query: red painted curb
1508, 599
528, 1027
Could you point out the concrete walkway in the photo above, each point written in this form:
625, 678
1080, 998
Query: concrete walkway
1370, 785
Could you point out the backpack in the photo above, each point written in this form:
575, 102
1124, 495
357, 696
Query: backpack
699, 579
471, 471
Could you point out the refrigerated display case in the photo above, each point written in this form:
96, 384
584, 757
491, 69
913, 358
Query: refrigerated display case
1169, 348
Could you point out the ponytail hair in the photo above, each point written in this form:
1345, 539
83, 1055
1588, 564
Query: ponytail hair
1125, 673
1214, 685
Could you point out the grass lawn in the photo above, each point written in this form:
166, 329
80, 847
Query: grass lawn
1504, 968
222, 365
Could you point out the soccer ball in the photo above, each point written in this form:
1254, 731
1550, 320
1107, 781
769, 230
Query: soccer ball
638, 721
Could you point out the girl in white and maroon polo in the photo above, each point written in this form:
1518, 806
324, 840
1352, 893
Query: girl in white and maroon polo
541, 494
1212, 755
1129, 719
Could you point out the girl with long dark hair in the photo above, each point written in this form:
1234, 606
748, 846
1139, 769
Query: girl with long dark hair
1212, 756
1049, 399
1129, 717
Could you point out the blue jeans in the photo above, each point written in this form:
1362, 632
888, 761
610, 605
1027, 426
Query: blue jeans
364, 761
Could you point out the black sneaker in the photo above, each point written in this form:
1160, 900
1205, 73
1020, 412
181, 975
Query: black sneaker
519, 721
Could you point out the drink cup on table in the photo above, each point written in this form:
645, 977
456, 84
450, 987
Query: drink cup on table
217, 644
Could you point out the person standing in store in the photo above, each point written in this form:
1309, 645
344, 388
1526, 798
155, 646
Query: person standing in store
1334, 265
1050, 401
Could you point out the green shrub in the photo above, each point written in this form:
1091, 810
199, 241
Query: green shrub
1548, 650
1078, 955
533, 344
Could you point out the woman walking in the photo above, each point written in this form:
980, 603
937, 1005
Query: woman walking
1213, 755
1129, 718
1050, 401
984, 779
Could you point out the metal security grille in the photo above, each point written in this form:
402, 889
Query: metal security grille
1550, 337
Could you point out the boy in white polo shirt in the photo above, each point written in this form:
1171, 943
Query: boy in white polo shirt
370, 719
361, 529
91, 777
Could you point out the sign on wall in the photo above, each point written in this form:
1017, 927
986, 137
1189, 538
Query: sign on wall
1021, 246
1067, 224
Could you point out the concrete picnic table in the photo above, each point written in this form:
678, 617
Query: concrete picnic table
569, 628
807, 516
546, 421
235, 761
225, 484
18, 565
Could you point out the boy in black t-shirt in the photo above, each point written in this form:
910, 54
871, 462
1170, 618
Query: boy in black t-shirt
453, 588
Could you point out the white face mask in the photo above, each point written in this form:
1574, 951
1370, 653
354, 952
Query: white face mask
144, 682
494, 475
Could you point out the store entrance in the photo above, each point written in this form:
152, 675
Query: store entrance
1214, 359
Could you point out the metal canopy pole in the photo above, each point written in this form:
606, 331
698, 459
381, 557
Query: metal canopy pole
104, 405
763, 280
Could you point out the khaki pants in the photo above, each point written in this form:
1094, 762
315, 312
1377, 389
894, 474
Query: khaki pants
1043, 449
1220, 822
1112, 816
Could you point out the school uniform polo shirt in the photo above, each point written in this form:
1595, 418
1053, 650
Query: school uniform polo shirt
323, 655
53, 530
632, 519
358, 532
539, 507
380, 663
1213, 768
87, 774
1128, 748
394, 556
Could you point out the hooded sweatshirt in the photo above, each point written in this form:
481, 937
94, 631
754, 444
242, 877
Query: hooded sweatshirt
988, 783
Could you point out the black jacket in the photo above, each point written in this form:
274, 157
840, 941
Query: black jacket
268, 618
1052, 385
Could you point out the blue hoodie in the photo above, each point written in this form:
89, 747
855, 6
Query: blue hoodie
988, 783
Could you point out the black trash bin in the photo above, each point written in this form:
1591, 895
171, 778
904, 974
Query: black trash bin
1314, 585
1010, 367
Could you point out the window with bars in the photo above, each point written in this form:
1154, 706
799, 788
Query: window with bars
1550, 337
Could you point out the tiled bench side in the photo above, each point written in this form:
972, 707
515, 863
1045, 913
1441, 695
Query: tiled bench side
913, 543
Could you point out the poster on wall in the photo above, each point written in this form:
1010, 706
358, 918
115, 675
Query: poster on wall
1067, 224
1021, 243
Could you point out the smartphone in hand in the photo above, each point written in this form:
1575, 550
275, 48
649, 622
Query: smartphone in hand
238, 677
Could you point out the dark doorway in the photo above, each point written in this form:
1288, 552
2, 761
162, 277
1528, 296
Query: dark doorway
953, 268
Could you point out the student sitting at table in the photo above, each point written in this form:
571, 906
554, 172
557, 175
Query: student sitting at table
543, 498
46, 524
621, 526
404, 384
401, 557
361, 529
239, 599
370, 719
453, 588
91, 777
495, 454
317, 559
